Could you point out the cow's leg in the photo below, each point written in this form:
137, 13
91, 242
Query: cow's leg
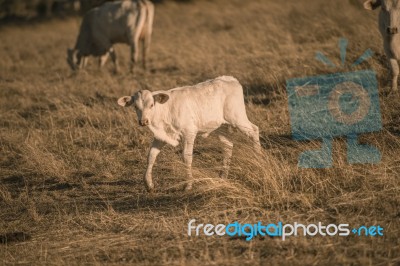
113, 56
155, 149
134, 54
394, 65
227, 153
145, 49
82, 62
85, 60
103, 59
147, 36
144, 53
188, 158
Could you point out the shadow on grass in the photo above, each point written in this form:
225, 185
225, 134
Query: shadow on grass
165, 69
124, 195
158, 201
393, 128
29, 22
14, 237
261, 93
14, 180
269, 141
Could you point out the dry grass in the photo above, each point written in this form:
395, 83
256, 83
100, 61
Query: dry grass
72, 161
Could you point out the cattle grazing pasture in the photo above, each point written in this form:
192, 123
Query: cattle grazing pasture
128, 22
72, 160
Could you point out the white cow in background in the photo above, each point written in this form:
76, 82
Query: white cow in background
389, 27
187, 111
126, 22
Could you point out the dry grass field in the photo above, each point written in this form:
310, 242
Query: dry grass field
72, 160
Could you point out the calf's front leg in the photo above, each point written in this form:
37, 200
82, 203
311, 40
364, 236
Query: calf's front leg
155, 149
227, 153
188, 158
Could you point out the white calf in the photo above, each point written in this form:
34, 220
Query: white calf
187, 111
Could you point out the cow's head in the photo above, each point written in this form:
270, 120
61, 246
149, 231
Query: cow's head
390, 14
144, 103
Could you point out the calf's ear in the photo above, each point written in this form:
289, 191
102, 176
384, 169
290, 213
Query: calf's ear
161, 98
372, 4
125, 101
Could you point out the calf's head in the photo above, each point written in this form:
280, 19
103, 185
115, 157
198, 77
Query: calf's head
144, 103
390, 14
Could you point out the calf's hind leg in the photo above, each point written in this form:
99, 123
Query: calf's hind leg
227, 153
237, 117
251, 130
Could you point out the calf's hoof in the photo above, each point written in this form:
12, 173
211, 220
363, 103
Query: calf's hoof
223, 174
149, 187
188, 187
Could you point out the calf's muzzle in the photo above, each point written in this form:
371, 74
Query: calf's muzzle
144, 122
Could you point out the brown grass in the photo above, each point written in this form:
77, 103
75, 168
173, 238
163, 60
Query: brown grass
72, 161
